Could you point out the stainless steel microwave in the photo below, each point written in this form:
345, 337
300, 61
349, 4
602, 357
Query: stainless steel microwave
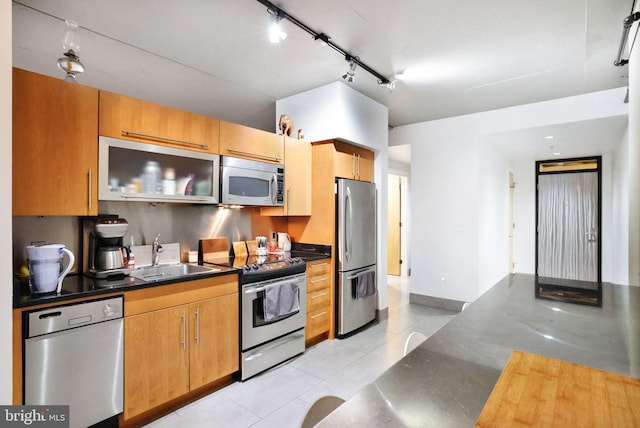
248, 182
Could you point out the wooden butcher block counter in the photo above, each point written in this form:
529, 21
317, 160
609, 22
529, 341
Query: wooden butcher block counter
537, 391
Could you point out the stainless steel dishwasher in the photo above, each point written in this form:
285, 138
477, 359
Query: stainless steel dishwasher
73, 355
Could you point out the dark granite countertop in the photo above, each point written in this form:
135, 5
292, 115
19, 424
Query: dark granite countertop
80, 286
446, 381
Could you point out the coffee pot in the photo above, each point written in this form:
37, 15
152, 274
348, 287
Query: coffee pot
46, 270
111, 257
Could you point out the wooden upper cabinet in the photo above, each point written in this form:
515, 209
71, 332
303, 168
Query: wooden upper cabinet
297, 180
353, 162
250, 143
137, 120
55, 146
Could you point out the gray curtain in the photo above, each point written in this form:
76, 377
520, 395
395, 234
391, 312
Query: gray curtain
567, 226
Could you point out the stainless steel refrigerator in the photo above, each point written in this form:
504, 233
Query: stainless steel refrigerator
356, 250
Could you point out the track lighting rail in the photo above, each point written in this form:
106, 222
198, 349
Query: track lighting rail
627, 23
273, 9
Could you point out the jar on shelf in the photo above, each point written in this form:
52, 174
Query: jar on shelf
152, 178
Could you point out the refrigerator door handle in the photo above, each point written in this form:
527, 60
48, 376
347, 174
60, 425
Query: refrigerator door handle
348, 224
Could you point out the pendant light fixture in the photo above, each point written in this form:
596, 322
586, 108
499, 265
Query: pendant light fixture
70, 62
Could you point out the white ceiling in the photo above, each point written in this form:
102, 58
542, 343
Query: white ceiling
213, 57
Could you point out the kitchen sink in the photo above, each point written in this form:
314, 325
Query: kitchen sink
174, 271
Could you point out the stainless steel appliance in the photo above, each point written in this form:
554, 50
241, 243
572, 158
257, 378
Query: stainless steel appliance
73, 355
106, 256
268, 339
356, 286
247, 182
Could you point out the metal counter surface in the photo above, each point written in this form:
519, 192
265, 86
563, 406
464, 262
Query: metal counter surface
446, 381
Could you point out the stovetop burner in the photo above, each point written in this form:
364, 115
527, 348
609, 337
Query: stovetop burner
260, 268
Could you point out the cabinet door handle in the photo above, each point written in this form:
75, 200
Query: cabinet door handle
160, 198
184, 330
353, 164
358, 165
319, 265
319, 315
197, 326
288, 200
90, 190
319, 295
169, 140
256, 155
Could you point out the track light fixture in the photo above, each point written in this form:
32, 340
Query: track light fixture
627, 23
351, 72
275, 29
324, 39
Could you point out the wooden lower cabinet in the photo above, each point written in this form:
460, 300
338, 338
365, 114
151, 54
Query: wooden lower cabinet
156, 359
319, 300
172, 351
214, 347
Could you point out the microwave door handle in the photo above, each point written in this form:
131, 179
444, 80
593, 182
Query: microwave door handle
274, 189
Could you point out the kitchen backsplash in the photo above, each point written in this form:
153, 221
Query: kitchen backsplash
185, 224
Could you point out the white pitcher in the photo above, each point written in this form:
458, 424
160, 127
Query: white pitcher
284, 241
45, 267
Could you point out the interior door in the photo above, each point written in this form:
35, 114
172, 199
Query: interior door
568, 219
394, 220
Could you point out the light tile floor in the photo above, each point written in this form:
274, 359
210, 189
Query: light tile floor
281, 396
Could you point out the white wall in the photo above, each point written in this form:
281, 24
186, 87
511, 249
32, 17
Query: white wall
6, 277
524, 253
620, 205
634, 167
338, 111
453, 173
493, 218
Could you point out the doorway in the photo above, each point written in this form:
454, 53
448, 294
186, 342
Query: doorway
395, 224
568, 244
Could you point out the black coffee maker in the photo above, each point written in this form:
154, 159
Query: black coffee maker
106, 256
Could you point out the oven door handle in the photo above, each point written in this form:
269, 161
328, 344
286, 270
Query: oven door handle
257, 289
274, 345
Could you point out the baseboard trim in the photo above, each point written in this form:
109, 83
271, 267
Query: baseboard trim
436, 302
382, 314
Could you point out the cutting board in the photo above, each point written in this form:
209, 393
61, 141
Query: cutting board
213, 248
240, 249
252, 248
536, 391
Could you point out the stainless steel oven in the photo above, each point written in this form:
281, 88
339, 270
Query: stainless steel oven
267, 339
247, 182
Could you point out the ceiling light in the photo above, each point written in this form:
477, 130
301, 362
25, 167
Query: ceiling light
351, 72
275, 29
323, 39
548, 137
70, 62
389, 85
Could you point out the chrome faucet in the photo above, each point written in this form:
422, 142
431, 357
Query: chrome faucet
156, 249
